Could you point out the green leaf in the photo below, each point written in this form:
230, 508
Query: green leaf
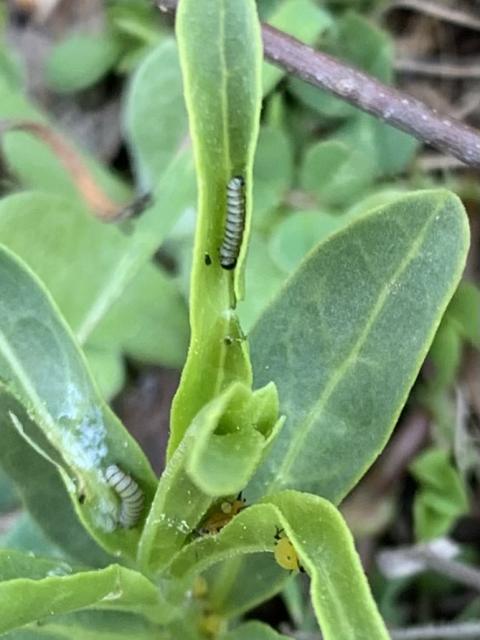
81, 60
120, 300
303, 20
83, 435
215, 458
222, 91
173, 191
33, 588
90, 625
441, 498
254, 631
224, 455
345, 338
335, 173
340, 595
155, 116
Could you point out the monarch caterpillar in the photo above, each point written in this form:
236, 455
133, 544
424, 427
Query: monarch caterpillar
234, 223
130, 494
221, 516
285, 554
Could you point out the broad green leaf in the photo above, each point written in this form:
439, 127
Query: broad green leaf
215, 458
254, 631
90, 625
222, 92
441, 498
302, 19
84, 437
81, 60
340, 595
34, 588
335, 173
345, 337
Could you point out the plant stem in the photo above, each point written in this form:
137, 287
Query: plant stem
365, 92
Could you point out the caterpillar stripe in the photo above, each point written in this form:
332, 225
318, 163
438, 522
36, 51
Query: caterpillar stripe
234, 223
130, 494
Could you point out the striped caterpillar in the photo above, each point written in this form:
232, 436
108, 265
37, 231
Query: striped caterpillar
234, 223
130, 494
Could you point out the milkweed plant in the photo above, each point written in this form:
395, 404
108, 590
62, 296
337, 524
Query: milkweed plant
269, 431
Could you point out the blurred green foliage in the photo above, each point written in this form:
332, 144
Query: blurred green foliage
440, 499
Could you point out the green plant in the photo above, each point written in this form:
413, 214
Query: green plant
292, 417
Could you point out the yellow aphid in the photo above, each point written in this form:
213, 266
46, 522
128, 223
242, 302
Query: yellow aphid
221, 516
285, 554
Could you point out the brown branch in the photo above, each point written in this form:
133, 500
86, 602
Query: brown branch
368, 94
